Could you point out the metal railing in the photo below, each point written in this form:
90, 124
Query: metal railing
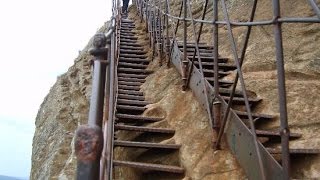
94, 142
147, 8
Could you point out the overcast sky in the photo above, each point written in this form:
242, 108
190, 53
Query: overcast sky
39, 39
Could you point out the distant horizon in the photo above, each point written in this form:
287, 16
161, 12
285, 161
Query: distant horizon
3, 177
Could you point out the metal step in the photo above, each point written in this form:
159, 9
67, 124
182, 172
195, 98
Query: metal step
122, 91
124, 87
145, 145
132, 60
144, 129
132, 45
127, 25
240, 100
132, 102
130, 97
131, 79
242, 114
127, 28
133, 55
125, 41
221, 81
149, 166
131, 70
221, 73
131, 48
128, 37
192, 45
128, 34
127, 21
130, 83
133, 65
137, 117
192, 50
228, 67
204, 58
133, 108
272, 134
126, 31
294, 151
127, 51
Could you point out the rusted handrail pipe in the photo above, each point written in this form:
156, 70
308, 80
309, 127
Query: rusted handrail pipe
89, 138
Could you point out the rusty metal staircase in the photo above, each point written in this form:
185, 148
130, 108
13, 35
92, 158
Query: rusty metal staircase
131, 104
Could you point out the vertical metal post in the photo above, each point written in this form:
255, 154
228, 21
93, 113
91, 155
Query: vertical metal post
167, 30
185, 58
216, 103
104, 159
284, 128
147, 17
160, 32
89, 138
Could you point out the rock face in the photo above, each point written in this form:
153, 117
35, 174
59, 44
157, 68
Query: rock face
66, 106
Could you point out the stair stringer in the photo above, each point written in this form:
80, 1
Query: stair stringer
239, 138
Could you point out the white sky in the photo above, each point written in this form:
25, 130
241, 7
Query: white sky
39, 39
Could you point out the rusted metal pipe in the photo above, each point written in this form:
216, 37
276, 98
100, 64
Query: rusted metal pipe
88, 147
284, 128
185, 58
167, 32
216, 103
89, 139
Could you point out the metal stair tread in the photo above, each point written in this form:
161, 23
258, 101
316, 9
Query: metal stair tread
149, 166
145, 144
241, 99
132, 55
132, 70
254, 115
132, 51
132, 102
131, 97
294, 151
144, 129
138, 117
136, 65
129, 83
125, 87
266, 133
128, 79
121, 91
129, 107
